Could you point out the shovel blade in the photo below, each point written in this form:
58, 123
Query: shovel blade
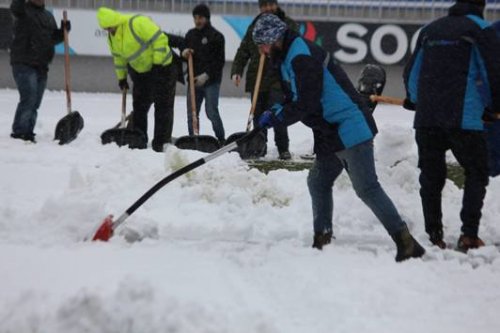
105, 230
254, 148
134, 138
68, 127
203, 143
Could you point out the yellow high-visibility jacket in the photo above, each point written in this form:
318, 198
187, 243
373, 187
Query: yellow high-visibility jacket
138, 42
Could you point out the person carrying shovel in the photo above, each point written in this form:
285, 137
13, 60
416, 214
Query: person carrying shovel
140, 49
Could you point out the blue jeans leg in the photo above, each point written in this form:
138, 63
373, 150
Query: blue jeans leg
320, 182
212, 109
360, 165
199, 97
31, 85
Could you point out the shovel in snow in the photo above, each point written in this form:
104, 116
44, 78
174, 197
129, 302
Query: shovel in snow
122, 135
255, 147
203, 143
106, 228
69, 126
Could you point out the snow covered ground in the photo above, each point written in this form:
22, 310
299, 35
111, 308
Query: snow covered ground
225, 248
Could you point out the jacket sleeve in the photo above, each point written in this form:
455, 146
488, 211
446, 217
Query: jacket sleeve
243, 54
176, 41
17, 8
150, 33
218, 56
308, 83
411, 72
119, 62
488, 44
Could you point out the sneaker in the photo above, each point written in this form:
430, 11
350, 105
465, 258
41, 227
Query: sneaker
321, 239
25, 137
407, 246
465, 243
285, 155
436, 238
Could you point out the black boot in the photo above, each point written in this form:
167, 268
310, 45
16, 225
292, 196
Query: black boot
407, 246
321, 239
436, 238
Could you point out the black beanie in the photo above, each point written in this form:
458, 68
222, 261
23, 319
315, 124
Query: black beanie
202, 10
265, 2
474, 2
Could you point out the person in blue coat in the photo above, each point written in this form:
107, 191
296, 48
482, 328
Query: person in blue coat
453, 56
320, 95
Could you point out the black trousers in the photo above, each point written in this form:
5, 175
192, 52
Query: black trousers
265, 101
156, 88
469, 148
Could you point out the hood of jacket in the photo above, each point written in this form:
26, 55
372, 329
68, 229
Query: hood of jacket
108, 18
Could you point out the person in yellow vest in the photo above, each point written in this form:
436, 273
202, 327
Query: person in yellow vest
140, 49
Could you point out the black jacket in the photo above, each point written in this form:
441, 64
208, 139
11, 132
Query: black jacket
457, 57
209, 55
35, 35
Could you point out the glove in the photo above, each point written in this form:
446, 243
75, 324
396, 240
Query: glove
66, 25
236, 79
268, 119
123, 84
186, 52
200, 80
409, 105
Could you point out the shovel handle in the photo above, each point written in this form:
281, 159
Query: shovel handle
67, 70
387, 99
196, 128
124, 107
255, 96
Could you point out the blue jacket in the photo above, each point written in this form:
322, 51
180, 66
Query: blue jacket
319, 94
455, 56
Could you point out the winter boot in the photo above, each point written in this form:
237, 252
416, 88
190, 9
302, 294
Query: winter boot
465, 243
285, 155
321, 239
407, 246
436, 238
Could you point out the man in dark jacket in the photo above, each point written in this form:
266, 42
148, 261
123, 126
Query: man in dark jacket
31, 52
452, 55
320, 95
206, 44
270, 88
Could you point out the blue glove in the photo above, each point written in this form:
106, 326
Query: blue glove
268, 119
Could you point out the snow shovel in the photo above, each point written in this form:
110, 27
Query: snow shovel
203, 143
122, 135
69, 126
106, 228
256, 146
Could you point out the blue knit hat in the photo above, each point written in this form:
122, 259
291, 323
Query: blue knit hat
268, 29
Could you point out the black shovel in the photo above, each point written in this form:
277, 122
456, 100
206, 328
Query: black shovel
256, 146
121, 134
69, 126
203, 143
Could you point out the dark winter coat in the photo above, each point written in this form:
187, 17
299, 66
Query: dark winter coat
320, 95
249, 51
209, 54
454, 56
35, 35
179, 43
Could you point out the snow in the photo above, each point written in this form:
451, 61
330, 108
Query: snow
224, 248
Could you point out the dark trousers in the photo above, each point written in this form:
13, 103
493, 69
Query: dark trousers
31, 84
470, 150
265, 101
156, 88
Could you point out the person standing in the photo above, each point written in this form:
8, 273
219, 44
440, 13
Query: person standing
140, 49
31, 52
452, 54
206, 45
320, 95
270, 89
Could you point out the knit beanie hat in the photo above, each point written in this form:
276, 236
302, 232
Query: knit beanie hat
474, 2
202, 10
265, 2
268, 29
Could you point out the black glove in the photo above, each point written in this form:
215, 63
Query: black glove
66, 25
123, 84
409, 105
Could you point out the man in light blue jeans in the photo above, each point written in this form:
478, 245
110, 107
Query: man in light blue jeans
209, 93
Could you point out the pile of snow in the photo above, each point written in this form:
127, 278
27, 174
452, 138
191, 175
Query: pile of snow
224, 248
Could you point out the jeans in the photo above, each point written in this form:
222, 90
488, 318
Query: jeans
359, 163
209, 93
31, 84
470, 150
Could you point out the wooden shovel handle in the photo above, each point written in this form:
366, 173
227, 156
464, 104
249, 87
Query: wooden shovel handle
67, 68
196, 128
256, 90
387, 99
124, 107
